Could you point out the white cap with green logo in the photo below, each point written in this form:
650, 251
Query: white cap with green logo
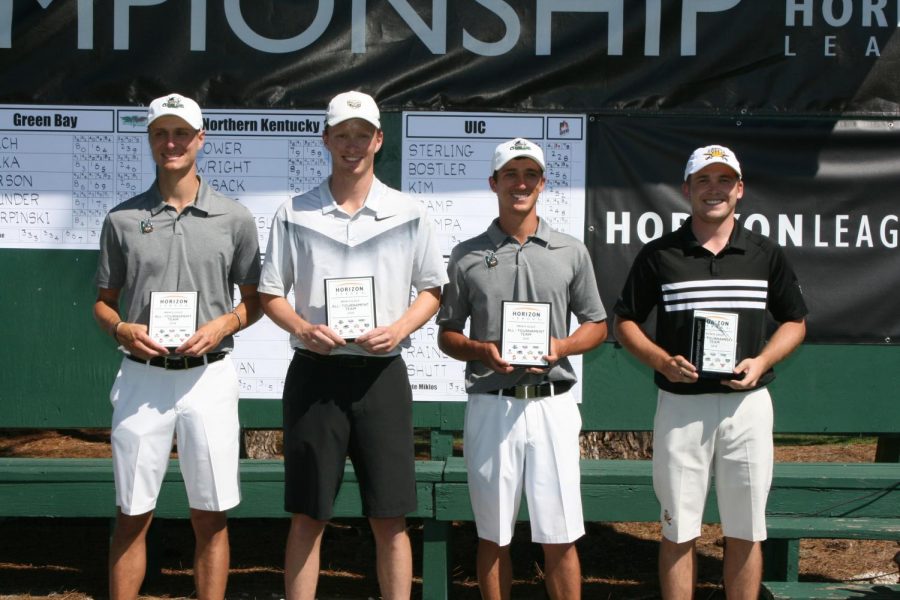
176, 105
517, 148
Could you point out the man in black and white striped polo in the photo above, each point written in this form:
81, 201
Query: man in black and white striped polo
712, 283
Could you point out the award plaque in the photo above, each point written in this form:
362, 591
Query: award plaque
173, 317
350, 305
525, 333
714, 344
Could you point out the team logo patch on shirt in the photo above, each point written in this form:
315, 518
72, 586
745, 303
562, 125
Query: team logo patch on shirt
490, 260
147, 226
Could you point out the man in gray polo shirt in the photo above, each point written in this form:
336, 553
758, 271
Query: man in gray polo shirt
343, 398
522, 423
178, 236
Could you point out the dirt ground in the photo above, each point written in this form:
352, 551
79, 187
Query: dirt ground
66, 558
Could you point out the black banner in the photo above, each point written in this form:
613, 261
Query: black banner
687, 56
824, 190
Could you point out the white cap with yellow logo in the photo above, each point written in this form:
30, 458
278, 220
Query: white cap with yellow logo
710, 155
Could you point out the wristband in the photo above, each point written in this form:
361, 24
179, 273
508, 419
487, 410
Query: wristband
238, 317
114, 330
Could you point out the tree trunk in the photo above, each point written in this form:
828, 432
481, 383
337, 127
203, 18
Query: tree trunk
263, 443
617, 444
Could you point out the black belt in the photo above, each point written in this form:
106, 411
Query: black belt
536, 390
177, 363
345, 360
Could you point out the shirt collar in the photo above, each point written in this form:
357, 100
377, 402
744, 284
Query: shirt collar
202, 203
498, 237
373, 204
737, 242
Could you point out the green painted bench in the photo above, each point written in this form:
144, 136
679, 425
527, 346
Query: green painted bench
75, 487
792, 590
622, 490
829, 500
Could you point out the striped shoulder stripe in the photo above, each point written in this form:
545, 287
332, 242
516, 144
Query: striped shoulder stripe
715, 304
717, 283
715, 294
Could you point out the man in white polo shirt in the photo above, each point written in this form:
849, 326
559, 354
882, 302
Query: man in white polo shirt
522, 423
350, 398
179, 236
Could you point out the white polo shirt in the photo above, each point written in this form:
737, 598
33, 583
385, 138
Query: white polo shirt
390, 238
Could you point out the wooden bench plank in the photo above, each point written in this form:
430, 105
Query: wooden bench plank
780, 590
48, 470
837, 475
826, 476
781, 551
866, 528
85, 488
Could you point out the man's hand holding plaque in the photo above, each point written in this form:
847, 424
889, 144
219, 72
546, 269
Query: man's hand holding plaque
714, 344
350, 306
525, 333
173, 317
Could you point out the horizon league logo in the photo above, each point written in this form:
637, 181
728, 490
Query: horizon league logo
433, 37
801, 16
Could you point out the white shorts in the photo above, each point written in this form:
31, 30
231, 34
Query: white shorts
725, 435
150, 404
510, 444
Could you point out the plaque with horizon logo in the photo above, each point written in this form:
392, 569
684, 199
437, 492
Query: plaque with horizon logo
714, 344
350, 305
525, 333
173, 317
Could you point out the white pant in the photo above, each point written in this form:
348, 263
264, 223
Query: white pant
150, 404
512, 444
694, 437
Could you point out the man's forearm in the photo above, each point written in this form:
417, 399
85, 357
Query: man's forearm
456, 344
423, 308
588, 336
249, 309
785, 340
281, 312
633, 338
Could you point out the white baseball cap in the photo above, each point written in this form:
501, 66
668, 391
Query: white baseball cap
352, 105
710, 155
516, 148
176, 105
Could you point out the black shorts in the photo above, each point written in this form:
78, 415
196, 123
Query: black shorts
340, 406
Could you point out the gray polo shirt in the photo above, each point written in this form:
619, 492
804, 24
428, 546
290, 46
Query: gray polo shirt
390, 238
145, 246
492, 267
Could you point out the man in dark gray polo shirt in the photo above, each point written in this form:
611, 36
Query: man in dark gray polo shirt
522, 423
180, 237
